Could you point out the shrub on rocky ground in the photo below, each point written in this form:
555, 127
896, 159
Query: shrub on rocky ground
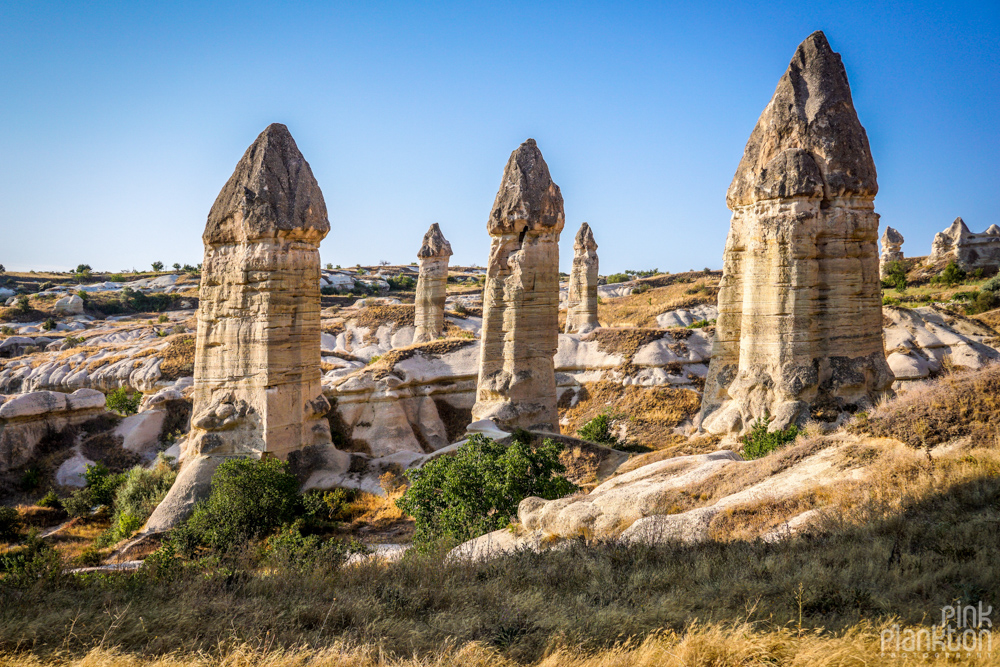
759, 442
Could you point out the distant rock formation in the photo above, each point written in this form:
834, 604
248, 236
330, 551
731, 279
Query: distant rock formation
970, 251
892, 249
257, 358
432, 285
581, 311
517, 386
799, 333
28, 419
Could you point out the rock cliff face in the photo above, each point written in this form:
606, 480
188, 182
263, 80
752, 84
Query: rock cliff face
432, 285
257, 358
517, 386
970, 251
892, 249
26, 419
581, 310
799, 333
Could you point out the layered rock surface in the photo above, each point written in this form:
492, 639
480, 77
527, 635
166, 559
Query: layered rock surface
432, 285
799, 332
970, 251
257, 374
581, 305
517, 385
26, 419
892, 250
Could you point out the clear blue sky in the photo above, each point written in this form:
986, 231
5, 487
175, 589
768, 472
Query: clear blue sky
123, 120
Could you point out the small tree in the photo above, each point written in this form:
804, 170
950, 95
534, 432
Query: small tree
598, 430
895, 276
953, 274
23, 304
760, 442
157, 266
83, 269
177, 266
122, 402
456, 498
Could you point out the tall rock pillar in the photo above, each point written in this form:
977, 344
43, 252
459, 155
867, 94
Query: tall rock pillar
517, 386
581, 310
892, 250
257, 372
432, 285
799, 333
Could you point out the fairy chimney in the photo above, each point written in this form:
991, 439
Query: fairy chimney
581, 310
432, 285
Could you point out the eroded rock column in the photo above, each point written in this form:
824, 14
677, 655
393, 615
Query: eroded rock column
892, 250
799, 332
581, 305
432, 285
257, 362
520, 331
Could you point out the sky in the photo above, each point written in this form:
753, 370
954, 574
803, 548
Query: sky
124, 120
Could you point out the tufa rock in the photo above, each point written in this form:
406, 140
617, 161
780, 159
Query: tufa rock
520, 331
581, 311
892, 250
257, 357
799, 333
432, 285
970, 251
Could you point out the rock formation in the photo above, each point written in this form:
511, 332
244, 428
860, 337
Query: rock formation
28, 419
581, 311
517, 386
257, 359
970, 251
432, 285
799, 333
892, 249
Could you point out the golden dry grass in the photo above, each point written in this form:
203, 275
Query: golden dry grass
640, 310
178, 357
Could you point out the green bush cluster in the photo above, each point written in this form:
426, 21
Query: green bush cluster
895, 276
598, 430
402, 282
952, 275
759, 442
100, 488
136, 495
477, 490
618, 278
123, 402
10, 523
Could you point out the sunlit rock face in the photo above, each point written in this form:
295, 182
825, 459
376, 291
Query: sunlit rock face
517, 386
432, 285
799, 333
892, 250
970, 251
581, 311
257, 361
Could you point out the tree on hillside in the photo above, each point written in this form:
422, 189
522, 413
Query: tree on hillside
2, 269
177, 266
83, 268
157, 266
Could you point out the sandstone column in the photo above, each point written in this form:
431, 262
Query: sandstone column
799, 333
892, 249
581, 306
517, 386
432, 285
257, 361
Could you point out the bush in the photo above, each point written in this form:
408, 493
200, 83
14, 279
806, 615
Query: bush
79, 503
50, 499
46, 286
72, 341
895, 276
10, 523
953, 274
124, 403
117, 278
157, 266
23, 305
49, 324
991, 285
83, 269
456, 498
26, 566
598, 430
250, 498
138, 494
984, 301
102, 484
700, 324
289, 549
401, 282
7, 330
618, 278
758, 442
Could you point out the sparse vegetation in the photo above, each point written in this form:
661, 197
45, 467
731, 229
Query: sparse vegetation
759, 442
157, 266
598, 430
124, 402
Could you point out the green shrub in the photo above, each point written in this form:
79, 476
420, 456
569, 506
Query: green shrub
401, 282
758, 442
477, 490
83, 269
329, 290
79, 503
327, 505
984, 301
10, 523
124, 403
138, 494
117, 278
953, 274
991, 285
46, 286
895, 276
71, 341
35, 561
23, 305
289, 549
700, 324
30, 479
618, 278
598, 430
889, 301
50, 499
250, 498
49, 324
7, 330
102, 484
157, 266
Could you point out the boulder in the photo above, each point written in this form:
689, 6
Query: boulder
68, 305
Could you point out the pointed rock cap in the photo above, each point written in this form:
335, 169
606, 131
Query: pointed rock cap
808, 141
891, 237
527, 199
271, 193
993, 230
435, 244
584, 241
958, 229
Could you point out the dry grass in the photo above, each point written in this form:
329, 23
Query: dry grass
375, 316
178, 357
640, 310
697, 645
387, 362
954, 406
651, 413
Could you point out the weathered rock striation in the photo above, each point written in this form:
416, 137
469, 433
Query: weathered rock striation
970, 251
432, 285
799, 333
517, 386
257, 360
581, 307
892, 250
28, 419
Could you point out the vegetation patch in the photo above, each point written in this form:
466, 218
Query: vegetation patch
374, 316
178, 358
